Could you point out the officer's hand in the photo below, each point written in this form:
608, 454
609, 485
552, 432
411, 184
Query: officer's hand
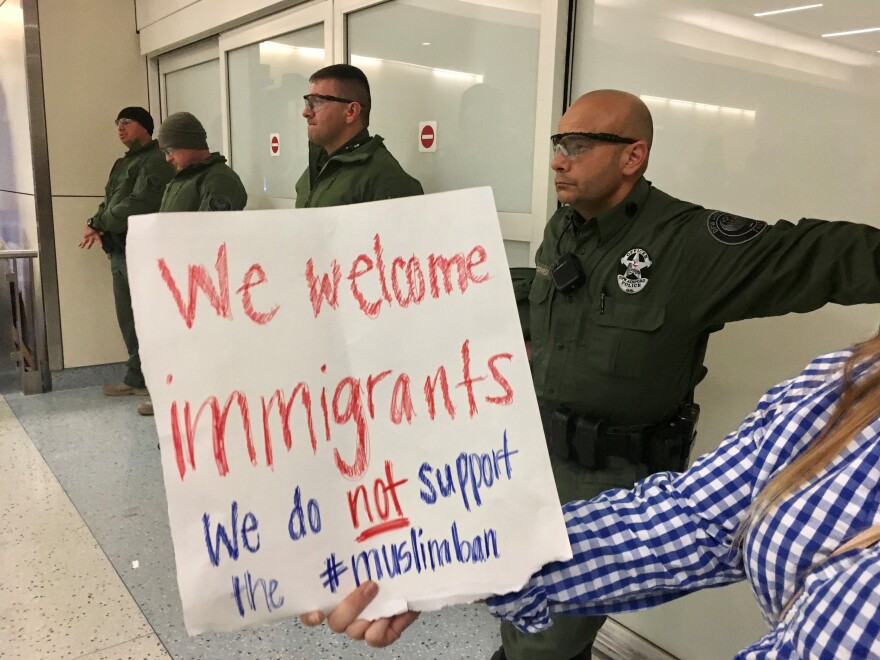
90, 237
344, 619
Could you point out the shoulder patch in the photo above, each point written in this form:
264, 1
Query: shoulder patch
219, 203
541, 270
733, 229
154, 181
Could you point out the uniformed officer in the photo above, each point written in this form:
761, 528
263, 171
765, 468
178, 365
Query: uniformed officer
136, 183
629, 284
203, 181
346, 165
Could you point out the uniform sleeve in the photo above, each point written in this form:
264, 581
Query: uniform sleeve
670, 535
522, 283
222, 191
837, 615
302, 189
96, 219
143, 194
391, 187
785, 268
523, 305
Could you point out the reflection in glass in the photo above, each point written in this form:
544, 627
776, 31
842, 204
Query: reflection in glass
196, 89
757, 116
472, 69
267, 81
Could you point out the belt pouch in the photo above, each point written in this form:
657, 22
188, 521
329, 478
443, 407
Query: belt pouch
587, 443
558, 433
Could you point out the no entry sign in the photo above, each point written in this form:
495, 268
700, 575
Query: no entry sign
428, 136
274, 144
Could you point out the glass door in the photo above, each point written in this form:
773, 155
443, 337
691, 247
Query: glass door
189, 80
480, 77
268, 65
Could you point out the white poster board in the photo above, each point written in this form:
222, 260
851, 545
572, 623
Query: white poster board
341, 394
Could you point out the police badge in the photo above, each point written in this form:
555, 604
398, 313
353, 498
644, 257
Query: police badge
633, 271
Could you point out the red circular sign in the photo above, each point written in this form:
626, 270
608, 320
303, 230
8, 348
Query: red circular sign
427, 136
273, 144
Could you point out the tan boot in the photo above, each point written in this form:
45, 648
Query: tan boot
145, 409
121, 389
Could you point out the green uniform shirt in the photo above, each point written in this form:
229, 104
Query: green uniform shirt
207, 186
362, 170
136, 183
627, 346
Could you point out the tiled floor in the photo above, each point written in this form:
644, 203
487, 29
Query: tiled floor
87, 568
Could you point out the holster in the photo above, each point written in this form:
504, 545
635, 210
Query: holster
589, 441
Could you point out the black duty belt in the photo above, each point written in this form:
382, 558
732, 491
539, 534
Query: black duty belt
588, 441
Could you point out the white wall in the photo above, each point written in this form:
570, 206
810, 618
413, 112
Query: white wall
808, 150
17, 208
85, 87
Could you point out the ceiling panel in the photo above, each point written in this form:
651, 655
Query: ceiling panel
832, 16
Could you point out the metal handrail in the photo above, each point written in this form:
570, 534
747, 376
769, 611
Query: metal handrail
16, 254
39, 378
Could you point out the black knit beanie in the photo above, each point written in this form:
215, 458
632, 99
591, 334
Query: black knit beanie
140, 115
183, 131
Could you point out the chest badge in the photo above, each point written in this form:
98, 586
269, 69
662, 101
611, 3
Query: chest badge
633, 271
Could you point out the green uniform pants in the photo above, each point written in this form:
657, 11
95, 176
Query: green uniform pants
571, 636
125, 316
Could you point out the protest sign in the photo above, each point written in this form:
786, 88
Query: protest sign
341, 395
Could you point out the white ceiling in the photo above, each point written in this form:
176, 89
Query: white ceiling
833, 16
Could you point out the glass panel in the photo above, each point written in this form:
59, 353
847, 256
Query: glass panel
473, 69
267, 81
762, 117
196, 89
517, 253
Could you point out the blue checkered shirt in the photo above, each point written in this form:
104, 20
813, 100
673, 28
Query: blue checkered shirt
672, 534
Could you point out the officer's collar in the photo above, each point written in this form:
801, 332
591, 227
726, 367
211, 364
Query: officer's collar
351, 145
612, 221
137, 147
213, 158
318, 156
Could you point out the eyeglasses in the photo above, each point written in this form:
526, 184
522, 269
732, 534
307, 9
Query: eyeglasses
317, 101
123, 122
168, 151
572, 145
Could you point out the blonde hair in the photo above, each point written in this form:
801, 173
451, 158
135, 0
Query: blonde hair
858, 406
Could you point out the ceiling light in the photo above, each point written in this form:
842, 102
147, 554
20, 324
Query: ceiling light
843, 34
462, 76
785, 11
698, 107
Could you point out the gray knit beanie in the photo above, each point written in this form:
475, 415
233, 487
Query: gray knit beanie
182, 131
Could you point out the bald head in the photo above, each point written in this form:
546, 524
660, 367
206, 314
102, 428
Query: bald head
610, 111
596, 172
